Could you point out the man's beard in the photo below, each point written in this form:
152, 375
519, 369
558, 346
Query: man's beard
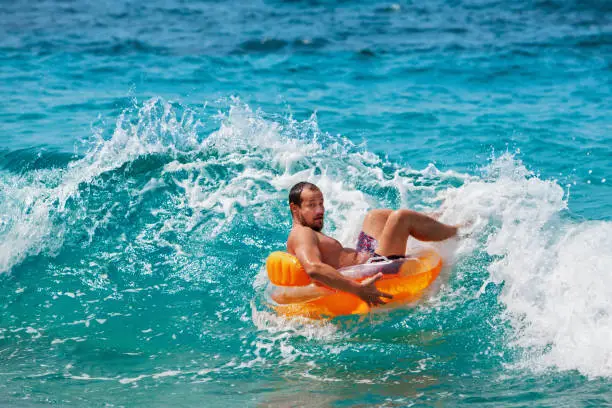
312, 227
315, 228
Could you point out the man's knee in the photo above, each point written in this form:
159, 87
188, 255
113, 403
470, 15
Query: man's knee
375, 221
378, 215
401, 217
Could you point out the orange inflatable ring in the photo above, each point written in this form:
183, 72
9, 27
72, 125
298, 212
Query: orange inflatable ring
293, 293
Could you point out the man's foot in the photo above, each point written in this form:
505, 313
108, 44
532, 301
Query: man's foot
464, 229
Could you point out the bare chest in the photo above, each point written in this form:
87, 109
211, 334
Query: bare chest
331, 251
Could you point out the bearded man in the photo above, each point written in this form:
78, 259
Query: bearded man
384, 232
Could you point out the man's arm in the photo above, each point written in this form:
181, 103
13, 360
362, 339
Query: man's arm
307, 252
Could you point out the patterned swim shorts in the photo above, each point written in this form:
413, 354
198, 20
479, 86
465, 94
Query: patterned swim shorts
366, 243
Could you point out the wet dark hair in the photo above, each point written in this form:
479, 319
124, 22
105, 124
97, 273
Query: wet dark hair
295, 195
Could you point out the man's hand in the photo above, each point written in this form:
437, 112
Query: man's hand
308, 253
368, 293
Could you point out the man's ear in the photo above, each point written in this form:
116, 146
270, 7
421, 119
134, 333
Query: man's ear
293, 207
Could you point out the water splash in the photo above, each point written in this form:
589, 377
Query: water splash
556, 286
164, 209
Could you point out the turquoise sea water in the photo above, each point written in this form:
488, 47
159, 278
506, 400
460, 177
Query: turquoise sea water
146, 151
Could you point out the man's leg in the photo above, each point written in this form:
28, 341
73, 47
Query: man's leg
392, 228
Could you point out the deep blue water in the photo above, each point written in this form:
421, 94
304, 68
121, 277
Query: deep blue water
146, 152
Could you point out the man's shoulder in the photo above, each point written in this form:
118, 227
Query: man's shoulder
300, 232
300, 235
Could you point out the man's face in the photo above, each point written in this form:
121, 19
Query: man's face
310, 213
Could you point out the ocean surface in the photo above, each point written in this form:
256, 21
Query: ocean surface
147, 149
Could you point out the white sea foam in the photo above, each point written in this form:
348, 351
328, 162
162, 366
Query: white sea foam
35, 203
569, 310
262, 158
281, 327
557, 286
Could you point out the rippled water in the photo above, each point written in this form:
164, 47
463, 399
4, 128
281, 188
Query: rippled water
146, 151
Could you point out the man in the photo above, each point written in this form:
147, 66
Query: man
384, 232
